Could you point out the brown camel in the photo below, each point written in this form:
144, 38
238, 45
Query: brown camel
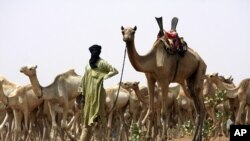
215, 106
177, 99
62, 92
143, 102
163, 68
241, 92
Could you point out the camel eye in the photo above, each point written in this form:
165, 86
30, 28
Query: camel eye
123, 33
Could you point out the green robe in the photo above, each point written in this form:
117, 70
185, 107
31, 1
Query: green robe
92, 89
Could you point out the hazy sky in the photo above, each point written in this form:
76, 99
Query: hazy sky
56, 34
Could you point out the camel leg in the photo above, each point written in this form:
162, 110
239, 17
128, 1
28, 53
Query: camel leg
26, 119
2, 126
109, 126
29, 130
3, 129
73, 123
151, 89
124, 128
158, 119
211, 114
142, 114
45, 129
164, 92
195, 86
64, 117
17, 129
248, 115
240, 111
10, 121
53, 117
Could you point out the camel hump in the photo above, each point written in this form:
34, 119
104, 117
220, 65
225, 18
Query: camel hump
68, 73
7, 82
71, 71
17, 92
245, 83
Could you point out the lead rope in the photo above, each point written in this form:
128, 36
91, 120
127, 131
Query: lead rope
123, 64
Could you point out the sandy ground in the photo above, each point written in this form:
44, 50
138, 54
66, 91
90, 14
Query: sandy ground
190, 139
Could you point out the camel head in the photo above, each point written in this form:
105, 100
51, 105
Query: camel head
128, 33
1, 81
216, 77
213, 76
29, 70
129, 85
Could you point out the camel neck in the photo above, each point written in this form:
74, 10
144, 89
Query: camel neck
36, 85
142, 98
223, 86
140, 63
231, 92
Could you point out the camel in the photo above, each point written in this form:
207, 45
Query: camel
163, 68
5, 115
143, 97
114, 111
61, 92
177, 100
213, 106
22, 101
138, 101
119, 107
241, 92
141, 94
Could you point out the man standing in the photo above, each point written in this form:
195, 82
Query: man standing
93, 91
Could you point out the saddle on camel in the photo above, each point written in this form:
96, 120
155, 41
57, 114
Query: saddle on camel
174, 44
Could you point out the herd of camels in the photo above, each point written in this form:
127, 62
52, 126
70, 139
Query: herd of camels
34, 112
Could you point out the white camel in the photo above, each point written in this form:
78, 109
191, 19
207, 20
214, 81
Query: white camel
60, 93
6, 116
116, 106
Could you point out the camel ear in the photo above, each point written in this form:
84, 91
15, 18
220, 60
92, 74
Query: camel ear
122, 28
135, 28
35, 66
137, 82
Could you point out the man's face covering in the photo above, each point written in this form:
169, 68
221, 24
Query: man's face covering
95, 51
